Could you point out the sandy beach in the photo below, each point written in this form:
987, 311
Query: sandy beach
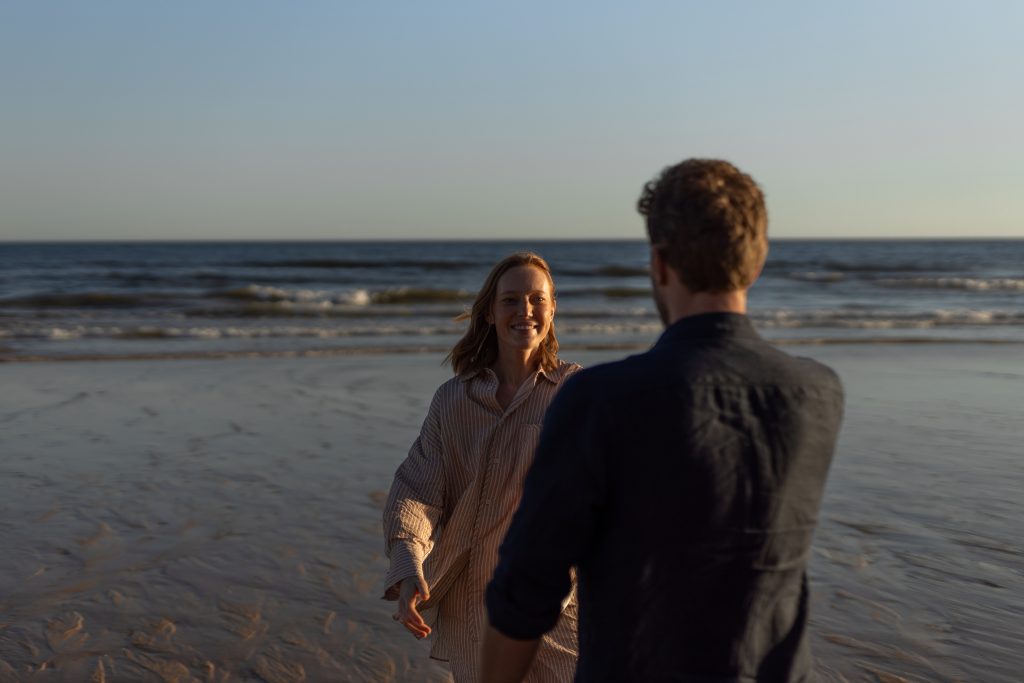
219, 520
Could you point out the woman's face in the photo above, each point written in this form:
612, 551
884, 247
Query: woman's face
523, 308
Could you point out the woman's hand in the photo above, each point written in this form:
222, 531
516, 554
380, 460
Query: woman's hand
412, 592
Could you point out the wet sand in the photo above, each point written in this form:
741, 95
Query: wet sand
219, 520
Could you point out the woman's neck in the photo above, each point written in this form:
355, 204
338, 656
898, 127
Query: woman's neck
515, 365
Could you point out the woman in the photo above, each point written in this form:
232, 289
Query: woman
453, 497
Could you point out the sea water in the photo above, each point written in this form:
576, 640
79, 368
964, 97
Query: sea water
155, 299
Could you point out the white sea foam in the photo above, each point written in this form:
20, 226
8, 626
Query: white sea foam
998, 284
815, 276
286, 331
358, 297
611, 328
64, 333
306, 298
886, 319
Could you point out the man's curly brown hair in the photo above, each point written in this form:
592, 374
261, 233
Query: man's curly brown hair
709, 221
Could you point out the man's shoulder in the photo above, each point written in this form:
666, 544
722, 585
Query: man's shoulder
611, 378
820, 372
754, 363
803, 371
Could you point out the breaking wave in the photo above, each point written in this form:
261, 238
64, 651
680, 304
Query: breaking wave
606, 271
855, 267
817, 276
355, 297
356, 263
608, 292
867, 320
998, 284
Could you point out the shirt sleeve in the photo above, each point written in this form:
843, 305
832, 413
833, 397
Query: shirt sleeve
555, 522
414, 505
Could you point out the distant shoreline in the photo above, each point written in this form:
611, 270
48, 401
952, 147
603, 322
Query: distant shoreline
425, 350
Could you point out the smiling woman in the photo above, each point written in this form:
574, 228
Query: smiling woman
522, 277
523, 313
454, 495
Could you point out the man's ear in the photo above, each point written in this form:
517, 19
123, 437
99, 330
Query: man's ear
760, 269
659, 268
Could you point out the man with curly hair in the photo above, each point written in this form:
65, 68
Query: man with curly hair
684, 483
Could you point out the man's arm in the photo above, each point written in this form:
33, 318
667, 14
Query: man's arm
506, 660
555, 522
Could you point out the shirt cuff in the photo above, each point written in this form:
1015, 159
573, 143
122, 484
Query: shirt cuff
516, 619
406, 562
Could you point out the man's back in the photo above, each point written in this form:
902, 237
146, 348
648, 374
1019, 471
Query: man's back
685, 483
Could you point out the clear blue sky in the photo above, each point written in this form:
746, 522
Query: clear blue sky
261, 120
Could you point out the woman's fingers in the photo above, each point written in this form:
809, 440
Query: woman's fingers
413, 591
418, 631
411, 619
414, 622
412, 616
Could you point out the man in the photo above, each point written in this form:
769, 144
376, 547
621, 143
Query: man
683, 483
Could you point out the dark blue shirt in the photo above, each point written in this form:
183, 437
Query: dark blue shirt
684, 485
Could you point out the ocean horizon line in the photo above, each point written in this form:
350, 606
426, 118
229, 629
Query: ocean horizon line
493, 241
478, 240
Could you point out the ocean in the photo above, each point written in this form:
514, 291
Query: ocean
127, 300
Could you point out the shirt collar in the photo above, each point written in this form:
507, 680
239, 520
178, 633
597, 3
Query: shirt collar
708, 326
555, 376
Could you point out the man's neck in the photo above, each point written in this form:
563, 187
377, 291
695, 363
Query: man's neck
706, 302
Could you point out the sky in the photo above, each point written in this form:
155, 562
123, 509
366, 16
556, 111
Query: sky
480, 120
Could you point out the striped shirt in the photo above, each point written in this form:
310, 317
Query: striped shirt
451, 503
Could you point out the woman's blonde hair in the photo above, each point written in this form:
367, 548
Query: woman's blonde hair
478, 348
